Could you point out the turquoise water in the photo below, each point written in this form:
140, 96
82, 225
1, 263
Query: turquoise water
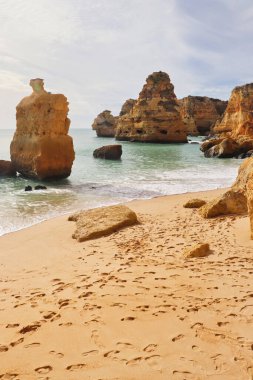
145, 171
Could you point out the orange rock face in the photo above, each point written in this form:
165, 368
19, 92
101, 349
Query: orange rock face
41, 147
105, 124
238, 118
155, 116
199, 113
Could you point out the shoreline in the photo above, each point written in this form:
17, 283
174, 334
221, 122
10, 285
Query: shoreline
129, 306
125, 203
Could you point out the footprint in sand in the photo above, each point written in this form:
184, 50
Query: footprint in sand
150, 348
30, 328
128, 319
35, 344
154, 361
3, 349
75, 367
92, 352
178, 337
125, 345
13, 344
44, 370
8, 376
57, 354
134, 361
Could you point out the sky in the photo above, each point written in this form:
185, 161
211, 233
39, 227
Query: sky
98, 53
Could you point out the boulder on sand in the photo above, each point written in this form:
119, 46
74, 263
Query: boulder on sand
198, 250
194, 203
109, 152
92, 224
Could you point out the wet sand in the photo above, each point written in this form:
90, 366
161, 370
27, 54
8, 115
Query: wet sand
129, 306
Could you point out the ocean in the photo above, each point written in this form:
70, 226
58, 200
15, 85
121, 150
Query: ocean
145, 171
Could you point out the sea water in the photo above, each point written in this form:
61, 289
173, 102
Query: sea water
145, 171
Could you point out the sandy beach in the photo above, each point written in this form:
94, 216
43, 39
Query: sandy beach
129, 306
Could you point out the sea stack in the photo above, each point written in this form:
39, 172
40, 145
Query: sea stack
200, 113
105, 124
41, 147
154, 117
235, 128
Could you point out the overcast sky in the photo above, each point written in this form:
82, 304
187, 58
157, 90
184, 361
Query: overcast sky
99, 52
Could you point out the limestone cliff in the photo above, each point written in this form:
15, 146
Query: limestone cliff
238, 117
199, 113
155, 116
235, 126
41, 147
105, 124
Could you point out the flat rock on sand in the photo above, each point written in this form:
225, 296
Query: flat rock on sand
102, 221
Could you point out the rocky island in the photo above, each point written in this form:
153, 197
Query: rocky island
155, 116
41, 147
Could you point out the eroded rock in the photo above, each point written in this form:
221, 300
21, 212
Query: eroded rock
102, 221
231, 202
155, 116
41, 147
105, 124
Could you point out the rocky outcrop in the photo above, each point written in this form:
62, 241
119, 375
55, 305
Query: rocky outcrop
102, 221
237, 120
41, 147
236, 124
199, 113
238, 199
127, 106
105, 124
232, 202
155, 116
108, 152
7, 169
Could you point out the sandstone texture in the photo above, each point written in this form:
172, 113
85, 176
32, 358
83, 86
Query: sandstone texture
41, 147
198, 250
231, 202
7, 169
105, 124
127, 106
238, 199
103, 221
194, 203
200, 113
236, 124
109, 152
154, 117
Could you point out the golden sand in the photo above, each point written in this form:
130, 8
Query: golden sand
129, 306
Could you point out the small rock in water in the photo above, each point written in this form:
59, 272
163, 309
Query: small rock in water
28, 188
40, 187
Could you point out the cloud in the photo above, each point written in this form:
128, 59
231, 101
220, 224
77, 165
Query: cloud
99, 52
